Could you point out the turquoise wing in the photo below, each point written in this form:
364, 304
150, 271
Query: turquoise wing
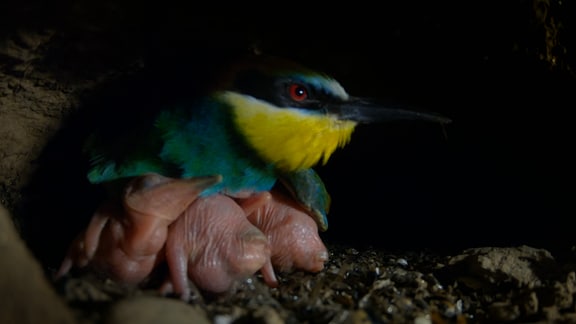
132, 153
309, 190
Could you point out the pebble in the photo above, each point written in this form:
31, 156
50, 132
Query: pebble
151, 310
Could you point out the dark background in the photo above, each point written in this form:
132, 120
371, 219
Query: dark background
502, 173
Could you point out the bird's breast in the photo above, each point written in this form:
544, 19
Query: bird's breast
291, 139
204, 143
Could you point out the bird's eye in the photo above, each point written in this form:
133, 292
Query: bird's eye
298, 92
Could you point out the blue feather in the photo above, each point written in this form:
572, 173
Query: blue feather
196, 139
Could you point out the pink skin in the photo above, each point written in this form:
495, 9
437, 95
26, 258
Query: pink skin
214, 245
124, 240
209, 240
292, 233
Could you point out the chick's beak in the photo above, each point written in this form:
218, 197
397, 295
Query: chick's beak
365, 111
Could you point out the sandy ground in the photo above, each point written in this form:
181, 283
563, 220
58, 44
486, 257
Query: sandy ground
45, 71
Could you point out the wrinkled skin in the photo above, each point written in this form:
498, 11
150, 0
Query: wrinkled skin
214, 245
124, 239
292, 233
213, 241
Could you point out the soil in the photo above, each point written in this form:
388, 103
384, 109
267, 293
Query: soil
463, 224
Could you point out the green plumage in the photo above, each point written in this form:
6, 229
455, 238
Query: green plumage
189, 140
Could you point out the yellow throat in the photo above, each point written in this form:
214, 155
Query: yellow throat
292, 139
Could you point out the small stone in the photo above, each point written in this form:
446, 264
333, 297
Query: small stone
149, 310
268, 315
493, 266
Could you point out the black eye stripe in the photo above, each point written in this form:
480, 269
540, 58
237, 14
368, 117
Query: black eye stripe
276, 90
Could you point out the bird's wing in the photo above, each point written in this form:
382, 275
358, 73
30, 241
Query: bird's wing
309, 190
132, 154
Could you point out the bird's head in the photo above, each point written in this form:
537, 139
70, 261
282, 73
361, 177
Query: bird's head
295, 117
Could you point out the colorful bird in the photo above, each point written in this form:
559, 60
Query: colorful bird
266, 121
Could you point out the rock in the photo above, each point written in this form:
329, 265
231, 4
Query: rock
149, 310
27, 296
520, 266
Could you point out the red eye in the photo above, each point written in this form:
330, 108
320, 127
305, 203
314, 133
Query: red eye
298, 92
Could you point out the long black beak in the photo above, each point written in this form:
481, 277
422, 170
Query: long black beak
365, 111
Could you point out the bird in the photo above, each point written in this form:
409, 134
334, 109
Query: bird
216, 179
261, 121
